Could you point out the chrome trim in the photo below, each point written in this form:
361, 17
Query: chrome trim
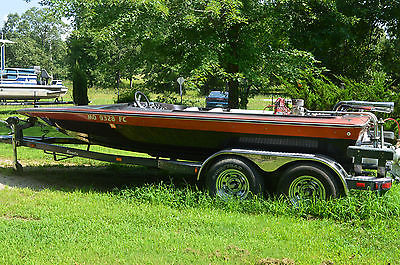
271, 161
232, 182
386, 107
306, 188
371, 115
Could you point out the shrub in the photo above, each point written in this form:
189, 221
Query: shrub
79, 92
321, 93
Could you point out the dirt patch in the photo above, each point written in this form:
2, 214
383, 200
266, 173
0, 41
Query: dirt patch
15, 181
327, 262
272, 261
237, 250
33, 177
19, 217
192, 251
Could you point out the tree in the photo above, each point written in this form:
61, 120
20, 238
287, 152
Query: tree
236, 45
112, 32
224, 43
391, 59
38, 41
345, 35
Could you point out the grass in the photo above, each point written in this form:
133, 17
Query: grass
160, 224
90, 212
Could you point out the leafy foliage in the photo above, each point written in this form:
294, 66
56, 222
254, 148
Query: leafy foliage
214, 44
320, 92
345, 35
243, 46
38, 41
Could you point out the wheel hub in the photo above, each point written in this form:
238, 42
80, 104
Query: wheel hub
305, 188
232, 183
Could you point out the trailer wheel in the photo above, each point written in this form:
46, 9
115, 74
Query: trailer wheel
234, 178
307, 182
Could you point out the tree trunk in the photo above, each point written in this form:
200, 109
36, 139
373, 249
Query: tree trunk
233, 87
118, 77
233, 67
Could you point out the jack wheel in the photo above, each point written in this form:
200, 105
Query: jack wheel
18, 168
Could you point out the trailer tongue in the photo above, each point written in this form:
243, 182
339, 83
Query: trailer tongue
305, 155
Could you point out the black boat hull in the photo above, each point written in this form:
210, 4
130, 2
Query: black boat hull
197, 145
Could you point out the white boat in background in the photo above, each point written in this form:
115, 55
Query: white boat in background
27, 83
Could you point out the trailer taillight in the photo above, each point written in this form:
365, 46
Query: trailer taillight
386, 185
360, 185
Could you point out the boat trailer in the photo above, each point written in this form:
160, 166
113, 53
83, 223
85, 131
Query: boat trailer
34, 103
260, 161
51, 145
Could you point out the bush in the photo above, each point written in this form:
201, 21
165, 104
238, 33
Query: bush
79, 92
321, 93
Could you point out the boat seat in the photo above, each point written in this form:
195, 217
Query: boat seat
45, 77
45, 74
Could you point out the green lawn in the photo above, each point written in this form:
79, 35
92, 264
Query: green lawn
83, 226
86, 212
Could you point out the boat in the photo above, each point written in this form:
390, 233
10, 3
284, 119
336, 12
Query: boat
180, 132
27, 83
300, 153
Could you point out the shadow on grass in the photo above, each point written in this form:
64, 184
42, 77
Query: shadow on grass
140, 184
90, 178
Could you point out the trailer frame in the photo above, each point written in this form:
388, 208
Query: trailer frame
264, 161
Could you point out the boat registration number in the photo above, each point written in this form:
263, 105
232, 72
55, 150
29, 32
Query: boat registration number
106, 118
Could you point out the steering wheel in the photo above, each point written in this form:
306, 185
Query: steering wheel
138, 100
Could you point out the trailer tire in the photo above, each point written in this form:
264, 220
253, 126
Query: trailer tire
302, 183
234, 178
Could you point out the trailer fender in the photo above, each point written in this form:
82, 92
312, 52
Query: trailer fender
272, 161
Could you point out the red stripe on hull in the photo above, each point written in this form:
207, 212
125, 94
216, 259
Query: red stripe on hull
331, 128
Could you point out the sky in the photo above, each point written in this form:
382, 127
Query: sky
14, 6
